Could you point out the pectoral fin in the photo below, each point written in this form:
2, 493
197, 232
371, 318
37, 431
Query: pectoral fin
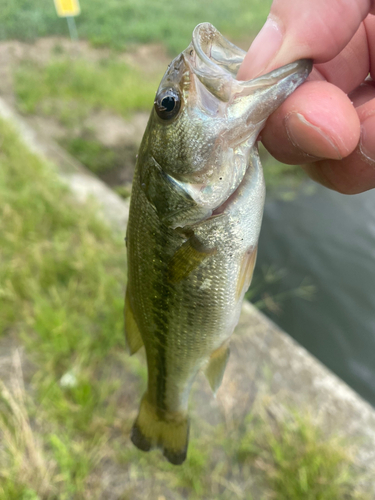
132, 335
187, 258
216, 367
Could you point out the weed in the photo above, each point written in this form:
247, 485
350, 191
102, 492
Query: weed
298, 461
25, 470
272, 301
73, 460
193, 473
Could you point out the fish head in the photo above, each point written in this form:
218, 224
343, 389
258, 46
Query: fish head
205, 122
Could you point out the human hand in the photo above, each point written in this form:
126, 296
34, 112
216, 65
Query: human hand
327, 124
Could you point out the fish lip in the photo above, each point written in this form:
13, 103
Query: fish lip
299, 70
219, 54
215, 62
215, 51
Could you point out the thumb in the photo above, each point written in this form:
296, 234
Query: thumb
298, 29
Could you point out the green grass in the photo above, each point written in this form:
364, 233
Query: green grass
64, 425
57, 256
102, 160
298, 461
62, 284
117, 23
68, 89
91, 153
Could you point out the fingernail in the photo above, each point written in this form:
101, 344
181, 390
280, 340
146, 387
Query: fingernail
262, 50
367, 140
309, 138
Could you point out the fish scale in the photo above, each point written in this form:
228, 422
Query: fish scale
195, 216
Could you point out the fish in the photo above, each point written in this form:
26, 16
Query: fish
194, 221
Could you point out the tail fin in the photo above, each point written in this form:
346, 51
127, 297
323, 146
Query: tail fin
169, 433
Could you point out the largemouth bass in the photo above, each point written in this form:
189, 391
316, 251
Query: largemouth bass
195, 215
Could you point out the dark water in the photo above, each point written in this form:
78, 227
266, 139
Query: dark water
327, 239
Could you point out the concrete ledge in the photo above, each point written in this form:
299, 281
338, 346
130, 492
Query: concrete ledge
265, 361
296, 379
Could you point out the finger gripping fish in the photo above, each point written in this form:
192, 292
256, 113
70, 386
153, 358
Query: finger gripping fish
195, 215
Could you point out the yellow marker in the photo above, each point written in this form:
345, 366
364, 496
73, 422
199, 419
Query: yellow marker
67, 8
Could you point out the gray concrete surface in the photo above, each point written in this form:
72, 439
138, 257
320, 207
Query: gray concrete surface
265, 363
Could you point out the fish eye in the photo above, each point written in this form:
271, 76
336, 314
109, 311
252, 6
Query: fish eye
167, 104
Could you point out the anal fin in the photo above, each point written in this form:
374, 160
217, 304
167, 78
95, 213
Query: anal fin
132, 335
216, 366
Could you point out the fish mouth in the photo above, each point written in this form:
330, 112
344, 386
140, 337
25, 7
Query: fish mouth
215, 52
216, 61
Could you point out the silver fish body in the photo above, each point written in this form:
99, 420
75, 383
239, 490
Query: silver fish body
195, 216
